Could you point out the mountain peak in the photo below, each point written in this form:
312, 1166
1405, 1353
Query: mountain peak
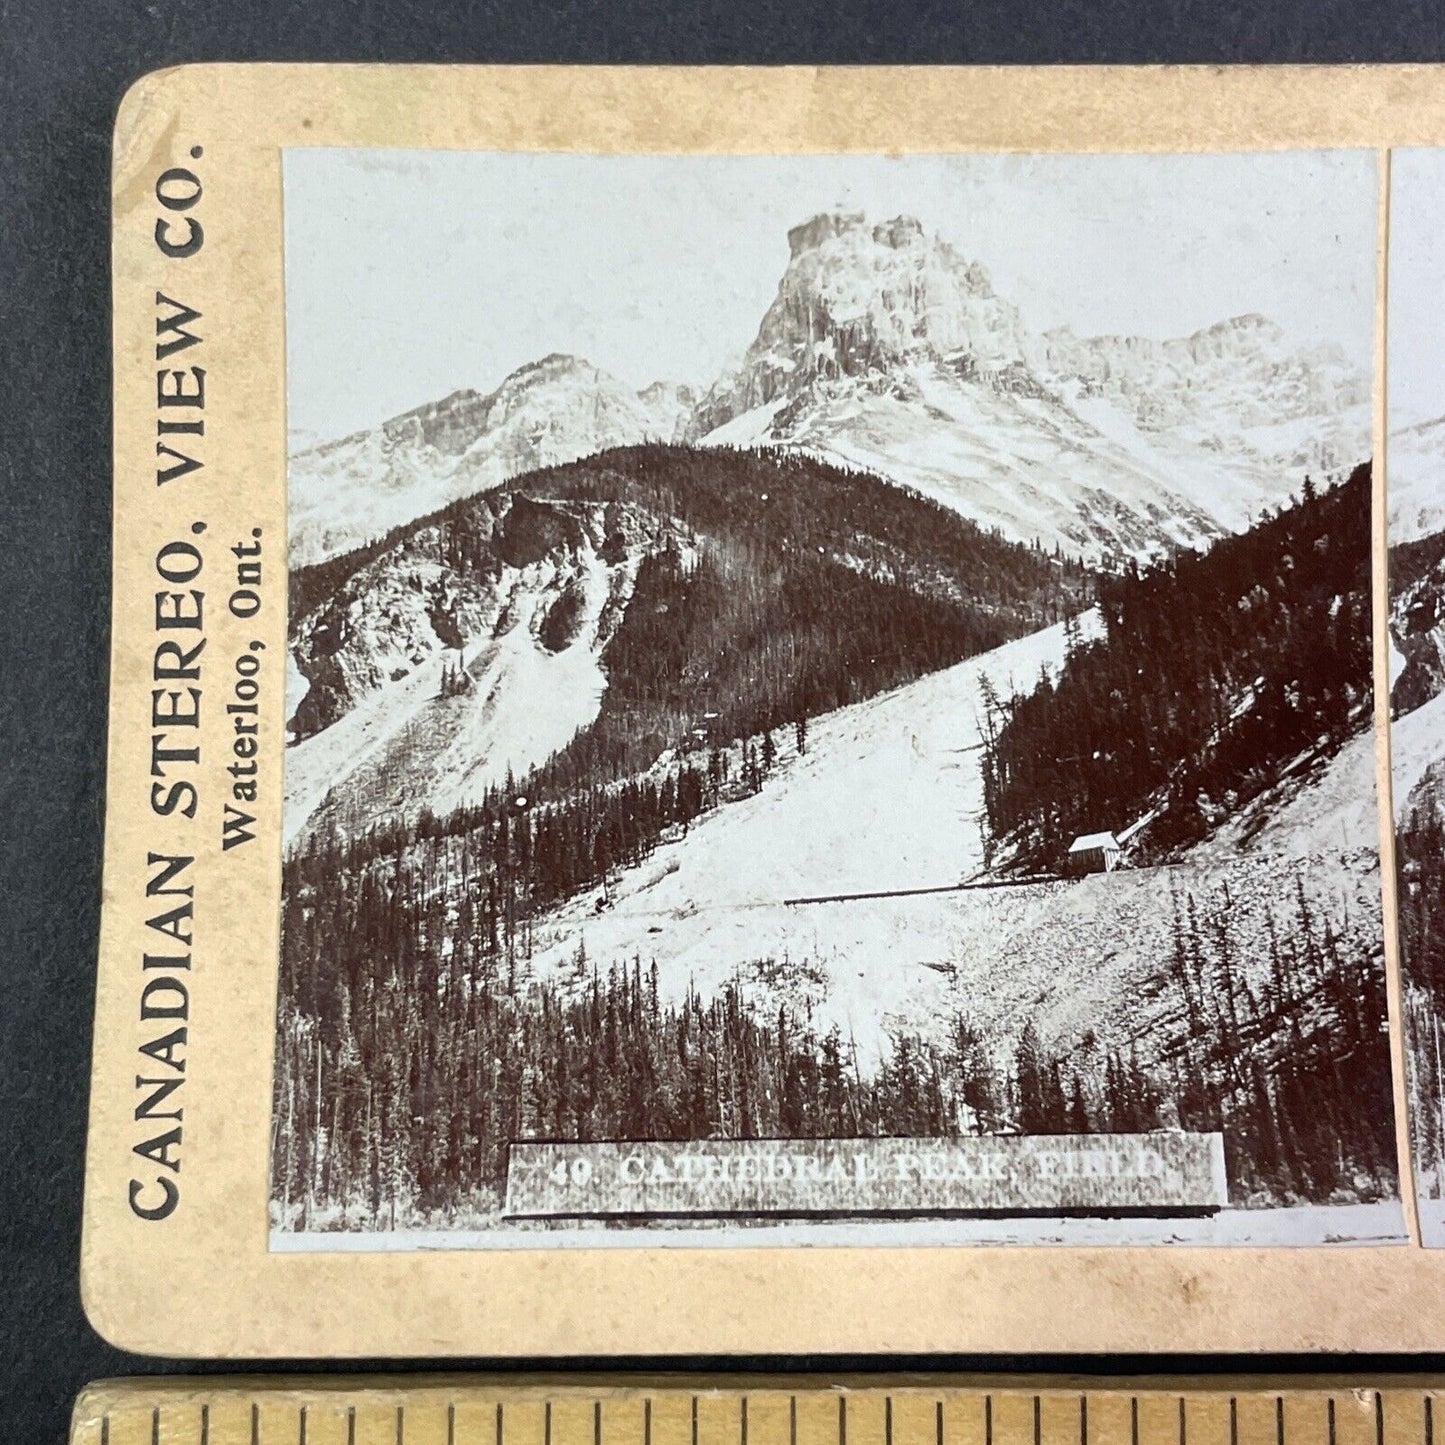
900, 231
860, 299
554, 364
888, 346
817, 230
1249, 323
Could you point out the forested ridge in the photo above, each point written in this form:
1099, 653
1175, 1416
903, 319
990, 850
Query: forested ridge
734, 642
1417, 593
778, 588
780, 500
1412, 561
769, 586
512, 856
1214, 672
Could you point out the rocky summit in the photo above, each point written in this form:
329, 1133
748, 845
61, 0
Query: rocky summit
859, 299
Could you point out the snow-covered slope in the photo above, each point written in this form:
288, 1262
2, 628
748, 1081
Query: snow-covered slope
887, 798
418, 686
344, 493
887, 348
1022, 462
1417, 757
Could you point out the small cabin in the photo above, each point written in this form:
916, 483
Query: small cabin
1094, 853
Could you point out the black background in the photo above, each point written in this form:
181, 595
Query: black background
63, 68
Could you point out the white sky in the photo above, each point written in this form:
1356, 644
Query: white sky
412, 273
1416, 360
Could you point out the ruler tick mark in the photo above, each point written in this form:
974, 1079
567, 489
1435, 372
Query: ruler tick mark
105, 1429
547, 1423
743, 1419
1279, 1420
988, 1420
842, 1420
1038, 1420
1133, 1420
155, 1425
887, 1420
938, 1422
400, 1431
205, 1425
1330, 1417
1233, 1420
302, 1426
1083, 1420
351, 1425
1379, 1418
694, 1422
255, 1423
451, 1423
499, 1426
597, 1422
1183, 1426
1429, 1421
792, 1420
646, 1423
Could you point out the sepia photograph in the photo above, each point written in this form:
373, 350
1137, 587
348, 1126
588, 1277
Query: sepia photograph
1415, 478
829, 700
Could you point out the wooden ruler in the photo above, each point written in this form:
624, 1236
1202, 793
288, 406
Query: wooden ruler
777, 1410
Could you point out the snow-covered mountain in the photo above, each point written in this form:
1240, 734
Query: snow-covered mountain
1416, 481
348, 492
888, 349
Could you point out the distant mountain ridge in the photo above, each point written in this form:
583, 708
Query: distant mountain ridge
886, 348
350, 491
